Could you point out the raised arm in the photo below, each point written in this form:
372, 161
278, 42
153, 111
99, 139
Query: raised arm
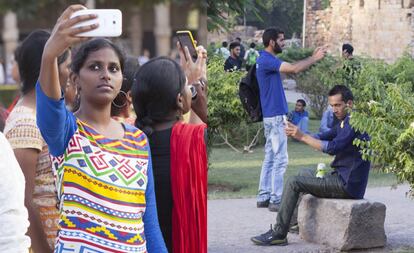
56, 124
62, 37
299, 66
196, 73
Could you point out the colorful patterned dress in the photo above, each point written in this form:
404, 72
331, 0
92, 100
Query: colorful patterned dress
22, 132
105, 186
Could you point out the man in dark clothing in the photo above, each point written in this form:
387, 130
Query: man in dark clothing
233, 63
348, 179
351, 65
242, 49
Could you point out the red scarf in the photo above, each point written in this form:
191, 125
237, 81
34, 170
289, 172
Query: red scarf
189, 188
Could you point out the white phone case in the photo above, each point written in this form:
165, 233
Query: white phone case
109, 20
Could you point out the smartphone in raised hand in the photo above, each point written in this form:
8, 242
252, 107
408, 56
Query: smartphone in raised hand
109, 20
185, 38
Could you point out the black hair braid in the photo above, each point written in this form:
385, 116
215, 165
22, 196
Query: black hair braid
145, 124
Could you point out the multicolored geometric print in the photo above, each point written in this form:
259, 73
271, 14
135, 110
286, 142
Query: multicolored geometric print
101, 187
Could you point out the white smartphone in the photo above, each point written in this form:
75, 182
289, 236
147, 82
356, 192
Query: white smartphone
109, 20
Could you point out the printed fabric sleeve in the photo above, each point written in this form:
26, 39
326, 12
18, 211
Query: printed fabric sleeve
57, 125
155, 241
24, 133
340, 142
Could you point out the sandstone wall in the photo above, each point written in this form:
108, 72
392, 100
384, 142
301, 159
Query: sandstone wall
379, 28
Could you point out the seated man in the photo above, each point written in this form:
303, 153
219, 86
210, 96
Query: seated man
299, 117
328, 120
348, 180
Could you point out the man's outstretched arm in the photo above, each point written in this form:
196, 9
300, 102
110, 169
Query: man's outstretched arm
300, 66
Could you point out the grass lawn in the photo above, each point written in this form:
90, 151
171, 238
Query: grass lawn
235, 175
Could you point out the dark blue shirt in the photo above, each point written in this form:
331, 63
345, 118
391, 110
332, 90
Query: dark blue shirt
232, 64
295, 116
272, 95
348, 161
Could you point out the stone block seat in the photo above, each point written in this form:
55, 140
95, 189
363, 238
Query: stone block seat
342, 223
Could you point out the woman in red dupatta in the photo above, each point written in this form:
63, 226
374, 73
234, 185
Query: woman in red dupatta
162, 92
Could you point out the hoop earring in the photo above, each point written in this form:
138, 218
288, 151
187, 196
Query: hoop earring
124, 104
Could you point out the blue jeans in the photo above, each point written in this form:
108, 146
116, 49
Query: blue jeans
275, 160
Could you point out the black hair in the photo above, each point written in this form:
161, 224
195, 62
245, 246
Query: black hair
345, 92
271, 33
224, 44
29, 58
131, 66
154, 92
302, 102
348, 48
234, 44
94, 45
238, 38
252, 45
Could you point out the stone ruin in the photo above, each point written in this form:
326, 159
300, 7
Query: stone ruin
382, 29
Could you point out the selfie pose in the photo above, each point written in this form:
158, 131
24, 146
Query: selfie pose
102, 168
161, 94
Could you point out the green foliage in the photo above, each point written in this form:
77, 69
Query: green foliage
224, 105
286, 15
317, 81
220, 12
227, 120
294, 54
384, 109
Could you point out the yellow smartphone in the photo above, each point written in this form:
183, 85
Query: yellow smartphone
185, 38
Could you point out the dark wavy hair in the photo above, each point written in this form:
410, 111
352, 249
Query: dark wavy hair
154, 92
271, 33
29, 58
82, 53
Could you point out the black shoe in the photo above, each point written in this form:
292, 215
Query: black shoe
294, 229
273, 207
263, 204
269, 238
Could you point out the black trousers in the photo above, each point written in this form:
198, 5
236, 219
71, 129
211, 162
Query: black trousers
331, 186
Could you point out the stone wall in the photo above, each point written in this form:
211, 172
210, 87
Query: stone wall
381, 29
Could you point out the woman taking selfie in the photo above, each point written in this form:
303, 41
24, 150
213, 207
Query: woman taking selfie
161, 95
103, 168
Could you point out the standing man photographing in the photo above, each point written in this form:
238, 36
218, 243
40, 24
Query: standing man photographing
274, 109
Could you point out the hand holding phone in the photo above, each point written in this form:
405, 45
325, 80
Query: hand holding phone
185, 38
109, 22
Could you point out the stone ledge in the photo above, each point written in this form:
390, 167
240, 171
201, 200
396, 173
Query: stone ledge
342, 224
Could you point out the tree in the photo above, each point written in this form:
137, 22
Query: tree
286, 15
220, 12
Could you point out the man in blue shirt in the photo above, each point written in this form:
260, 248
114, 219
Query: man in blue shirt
348, 180
299, 117
274, 109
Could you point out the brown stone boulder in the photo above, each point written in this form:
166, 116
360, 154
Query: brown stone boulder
341, 223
